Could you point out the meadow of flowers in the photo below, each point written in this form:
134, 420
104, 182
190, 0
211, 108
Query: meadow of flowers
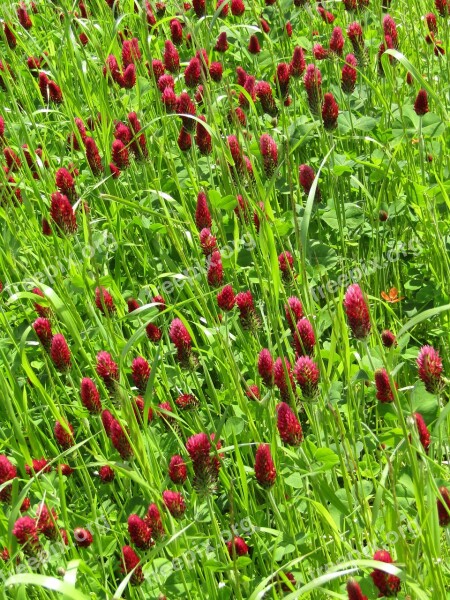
224, 306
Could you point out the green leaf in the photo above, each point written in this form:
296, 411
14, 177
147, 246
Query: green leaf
49, 583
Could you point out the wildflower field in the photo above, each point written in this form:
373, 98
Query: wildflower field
225, 299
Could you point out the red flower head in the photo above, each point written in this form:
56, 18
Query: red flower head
355, 35
389, 585
177, 469
7, 473
153, 332
237, 547
26, 533
153, 520
327, 17
203, 138
65, 183
384, 391
93, 156
330, 112
104, 301
216, 71
193, 72
265, 471
106, 474
130, 561
224, 4
349, 74
174, 503
422, 430
253, 45
304, 338
286, 264
249, 87
90, 396
65, 469
247, 313
107, 369
199, 447
282, 78
357, 312
120, 154
199, 7
179, 335
421, 104
215, 269
288, 28
133, 304
390, 31
313, 86
265, 367
128, 80
186, 107
319, 52
226, 298
208, 242
264, 25
62, 214
237, 8
186, 401
120, 441
430, 369
281, 381
202, 214
298, 64
130, 52
253, 392
43, 330
443, 7
269, 153
38, 465
293, 310
169, 99
264, 94
60, 353
83, 537
206, 467
140, 532
171, 57
64, 434
354, 591
443, 507
222, 43
156, 69
307, 375
288, 425
337, 41
23, 16
388, 338
107, 420
13, 162
140, 371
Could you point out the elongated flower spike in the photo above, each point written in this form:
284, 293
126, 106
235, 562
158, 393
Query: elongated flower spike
357, 312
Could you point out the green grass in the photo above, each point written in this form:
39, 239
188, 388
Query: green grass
361, 480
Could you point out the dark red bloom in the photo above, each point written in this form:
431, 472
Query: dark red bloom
422, 430
120, 155
354, 591
181, 338
388, 339
107, 369
288, 425
215, 269
319, 52
384, 391
107, 420
253, 45
64, 434
429, 364
203, 138
283, 380
222, 43
237, 8
140, 532
421, 104
326, 15
202, 214
237, 547
153, 520
7, 473
286, 264
65, 469
120, 441
130, 52
247, 312
253, 392
330, 111
282, 78
390, 31
171, 57
264, 94
132, 304
140, 371
106, 474
93, 156
43, 330
443, 507
304, 338
193, 72
128, 79
65, 183
153, 332
265, 367
23, 16
177, 469
38, 465
185, 108
264, 25
293, 310
269, 153
60, 353
307, 375
355, 35
104, 301
26, 533
62, 213
216, 71
226, 298
298, 64
265, 471
443, 7
357, 312
130, 561
349, 74
90, 396
206, 466
174, 503
337, 41
82, 537
389, 585
313, 82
